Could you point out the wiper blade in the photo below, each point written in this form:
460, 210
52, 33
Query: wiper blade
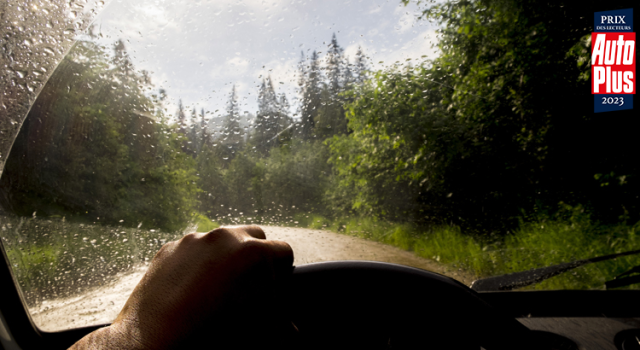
529, 277
622, 281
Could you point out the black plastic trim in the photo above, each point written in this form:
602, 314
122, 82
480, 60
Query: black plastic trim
619, 303
566, 303
19, 322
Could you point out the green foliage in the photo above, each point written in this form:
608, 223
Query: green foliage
295, 177
487, 158
398, 151
95, 149
204, 224
52, 257
497, 125
210, 179
544, 241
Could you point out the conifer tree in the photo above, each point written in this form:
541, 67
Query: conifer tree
231, 138
360, 66
267, 119
334, 67
203, 122
284, 122
310, 82
330, 120
272, 120
202, 132
284, 105
348, 77
181, 117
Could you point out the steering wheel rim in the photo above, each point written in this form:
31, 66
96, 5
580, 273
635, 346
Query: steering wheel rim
394, 301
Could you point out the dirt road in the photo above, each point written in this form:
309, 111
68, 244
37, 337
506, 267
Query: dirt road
102, 304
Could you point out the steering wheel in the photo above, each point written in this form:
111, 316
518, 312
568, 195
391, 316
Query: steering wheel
373, 305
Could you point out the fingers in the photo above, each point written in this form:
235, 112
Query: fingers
280, 253
255, 243
281, 257
252, 230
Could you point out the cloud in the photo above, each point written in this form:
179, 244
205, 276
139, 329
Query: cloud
198, 49
238, 63
405, 21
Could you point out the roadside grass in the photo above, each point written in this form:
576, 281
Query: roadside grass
52, 257
204, 224
538, 243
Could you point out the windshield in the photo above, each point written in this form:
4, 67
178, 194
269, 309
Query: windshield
456, 136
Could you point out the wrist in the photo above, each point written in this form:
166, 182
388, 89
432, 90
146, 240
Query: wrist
110, 337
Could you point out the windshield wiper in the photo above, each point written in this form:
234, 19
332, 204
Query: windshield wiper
529, 277
618, 282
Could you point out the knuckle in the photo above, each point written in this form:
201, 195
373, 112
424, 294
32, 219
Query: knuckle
187, 238
216, 235
165, 249
253, 249
167, 246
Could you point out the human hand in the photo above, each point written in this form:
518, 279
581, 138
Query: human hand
219, 287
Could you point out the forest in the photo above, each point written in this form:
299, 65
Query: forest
478, 149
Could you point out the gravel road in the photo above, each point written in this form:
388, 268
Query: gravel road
102, 304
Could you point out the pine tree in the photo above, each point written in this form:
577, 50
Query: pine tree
310, 88
284, 105
122, 62
285, 122
231, 138
203, 133
360, 67
266, 122
272, 119
191, 144
181, 117
334, 67
348, 78
330, 120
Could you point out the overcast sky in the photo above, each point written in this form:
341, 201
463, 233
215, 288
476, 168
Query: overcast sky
198, 49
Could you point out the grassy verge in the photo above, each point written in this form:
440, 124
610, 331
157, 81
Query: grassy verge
204, 224
52, 257
541, 242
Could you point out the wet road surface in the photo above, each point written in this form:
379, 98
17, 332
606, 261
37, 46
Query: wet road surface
102, 304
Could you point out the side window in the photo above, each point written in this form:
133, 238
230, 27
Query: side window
96, 182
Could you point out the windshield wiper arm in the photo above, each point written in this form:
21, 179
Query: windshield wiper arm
622, 281
525, 278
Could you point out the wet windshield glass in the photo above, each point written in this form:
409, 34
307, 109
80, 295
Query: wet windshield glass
455, 137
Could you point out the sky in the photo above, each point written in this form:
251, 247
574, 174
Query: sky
197, 49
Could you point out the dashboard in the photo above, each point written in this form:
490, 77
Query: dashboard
371, 305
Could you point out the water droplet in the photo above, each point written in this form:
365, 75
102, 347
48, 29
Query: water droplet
21, 74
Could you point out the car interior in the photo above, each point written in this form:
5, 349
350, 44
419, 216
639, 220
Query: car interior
125, 125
